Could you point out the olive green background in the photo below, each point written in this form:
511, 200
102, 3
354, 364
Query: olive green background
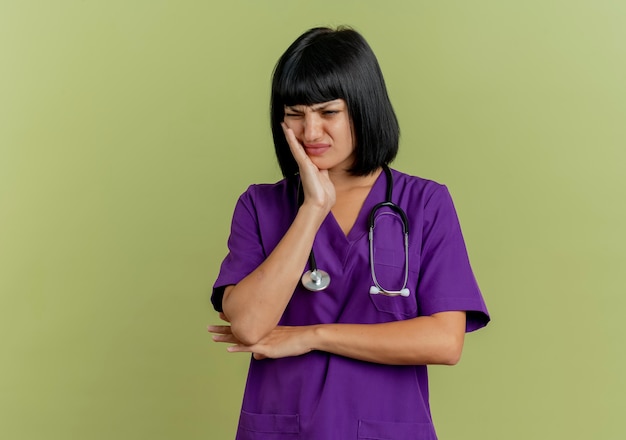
129, 128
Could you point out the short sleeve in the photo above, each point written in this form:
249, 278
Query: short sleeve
446, 281
245, 250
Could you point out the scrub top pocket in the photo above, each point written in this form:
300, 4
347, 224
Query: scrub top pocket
268, 426
390, 271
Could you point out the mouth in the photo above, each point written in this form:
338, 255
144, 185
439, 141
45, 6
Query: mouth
316, 149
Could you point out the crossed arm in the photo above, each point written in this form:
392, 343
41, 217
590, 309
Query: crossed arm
436, 339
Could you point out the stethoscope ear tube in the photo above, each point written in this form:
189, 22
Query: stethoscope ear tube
374, 290
395, 208
377, 288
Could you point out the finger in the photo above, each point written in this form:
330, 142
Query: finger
239, 348
296, 149
225, 338
221, 329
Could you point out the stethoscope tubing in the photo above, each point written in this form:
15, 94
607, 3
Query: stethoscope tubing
316, 279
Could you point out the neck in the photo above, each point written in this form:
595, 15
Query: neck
342, 180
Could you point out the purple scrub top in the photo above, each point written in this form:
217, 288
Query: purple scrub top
324, 396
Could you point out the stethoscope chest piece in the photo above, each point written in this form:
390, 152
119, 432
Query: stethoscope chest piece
315, 280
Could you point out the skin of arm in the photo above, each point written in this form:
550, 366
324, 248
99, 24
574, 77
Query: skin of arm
435, 339
254, 306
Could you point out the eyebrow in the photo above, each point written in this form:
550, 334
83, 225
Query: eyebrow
315, 107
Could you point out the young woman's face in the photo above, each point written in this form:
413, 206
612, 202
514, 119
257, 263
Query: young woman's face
325, 132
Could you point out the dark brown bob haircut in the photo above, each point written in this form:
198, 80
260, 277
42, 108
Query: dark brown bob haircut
325, 64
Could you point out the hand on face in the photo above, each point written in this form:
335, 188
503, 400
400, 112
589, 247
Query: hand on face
318, 188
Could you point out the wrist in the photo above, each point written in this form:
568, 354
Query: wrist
316, 337
313, 213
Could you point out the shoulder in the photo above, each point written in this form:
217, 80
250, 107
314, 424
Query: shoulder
261, 192
417, 189
269, 198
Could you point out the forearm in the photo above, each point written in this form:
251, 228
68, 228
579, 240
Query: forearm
255, 305
436, 339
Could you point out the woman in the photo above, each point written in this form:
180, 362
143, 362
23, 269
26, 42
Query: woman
348, 361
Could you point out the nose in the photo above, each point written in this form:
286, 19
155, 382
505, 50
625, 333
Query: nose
312, 127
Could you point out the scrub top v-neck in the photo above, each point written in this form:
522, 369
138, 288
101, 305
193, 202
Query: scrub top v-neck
371, 199
324, 396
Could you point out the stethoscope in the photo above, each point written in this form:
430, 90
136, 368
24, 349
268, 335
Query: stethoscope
316, 279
